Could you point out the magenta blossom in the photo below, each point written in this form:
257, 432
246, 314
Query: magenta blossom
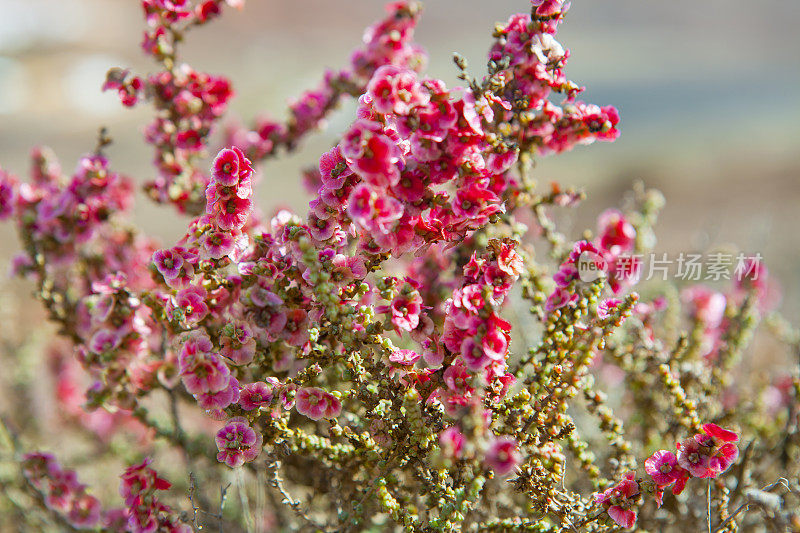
710, 453
84, 512
218, 244
138, 479
202, 371
452, 441
255, 395
606, 307
237, 343
404, 357
395, 90
237, 443
502, 455
663, 467
191, 301
316, 403
617, 235
230, 166
405, 311
220, 399
620, 499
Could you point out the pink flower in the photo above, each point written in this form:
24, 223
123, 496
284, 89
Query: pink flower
457, 379
663, 467
470, 298
84, 513
38, 466
237, 443
139, 479
404, 357
605, 307
347, 268
316, 403
207, 10
218, 244
8, 187
220, 399
565, 275
61, 486
558, 299
142, 519
371, 154
723, 444
176, 265
619, 499
617, 235
333, 169
202, 371
168, 263
230, 167
105, 340
475, 202
189, 140
623, 517
495, 344
237, 343
579, 248
191, 302
231, 213
375, 213
710, 453
693, 457
452, 441
473, 355
502, 455
549, 8
396, 90
406, 309
509, 261
321, 229
296, 328
706, 305
359, 206
433, 355
254, 395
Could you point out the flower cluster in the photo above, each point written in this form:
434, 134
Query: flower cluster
608, 257
705, 455
192, 102
227, 201
145, 513
388, 42
315, 403
61, 490
188, 103
474, 331
528, 65
710, 453
88, 264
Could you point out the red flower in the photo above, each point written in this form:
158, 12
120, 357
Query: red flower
502, 455
619, 500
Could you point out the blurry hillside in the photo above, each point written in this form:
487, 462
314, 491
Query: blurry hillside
708, 94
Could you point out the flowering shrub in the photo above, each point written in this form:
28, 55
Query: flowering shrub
422, 350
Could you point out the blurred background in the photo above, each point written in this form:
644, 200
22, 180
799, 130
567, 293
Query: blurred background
708, 95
